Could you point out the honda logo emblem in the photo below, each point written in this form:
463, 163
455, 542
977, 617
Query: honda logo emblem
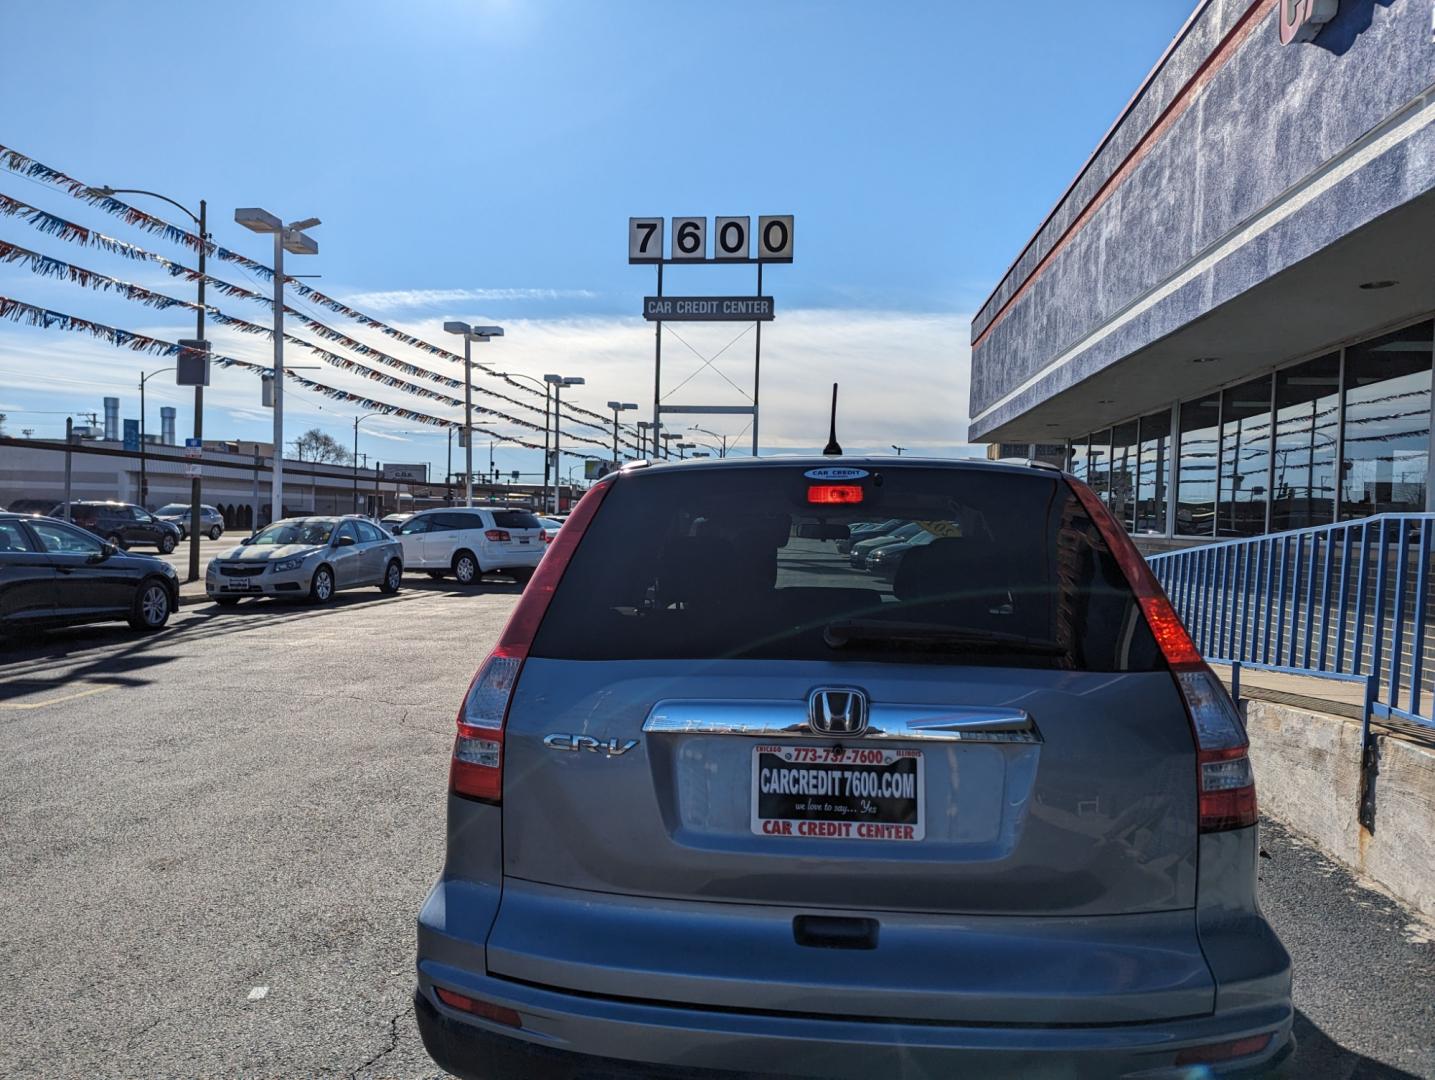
837, 710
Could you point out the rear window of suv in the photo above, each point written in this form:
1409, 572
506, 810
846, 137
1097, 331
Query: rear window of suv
988, 567
516, 519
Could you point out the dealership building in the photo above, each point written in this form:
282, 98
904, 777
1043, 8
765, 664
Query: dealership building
1227, 318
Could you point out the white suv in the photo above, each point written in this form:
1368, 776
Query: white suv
468, 541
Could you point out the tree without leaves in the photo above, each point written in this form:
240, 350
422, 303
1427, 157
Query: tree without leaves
315, 445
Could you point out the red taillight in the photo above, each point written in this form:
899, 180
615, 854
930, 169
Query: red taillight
1225, 784
498, 534
547, 536
834, 494
1224, 1051
476, 769
499, 1014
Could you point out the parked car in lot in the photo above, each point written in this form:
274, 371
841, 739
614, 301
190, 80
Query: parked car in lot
885, 561
124, 525
211, 521
392, 521
53, 573
859, 552
307, 557
718, 800
550, 528
470, 541
31, 506
867, 530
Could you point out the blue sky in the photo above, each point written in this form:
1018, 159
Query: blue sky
479, 161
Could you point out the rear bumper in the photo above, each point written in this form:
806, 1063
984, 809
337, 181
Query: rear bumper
517, 558
566, 1035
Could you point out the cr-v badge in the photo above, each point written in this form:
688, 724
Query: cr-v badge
611, 748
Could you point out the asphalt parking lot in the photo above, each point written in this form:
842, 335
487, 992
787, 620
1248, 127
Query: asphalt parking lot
214, 840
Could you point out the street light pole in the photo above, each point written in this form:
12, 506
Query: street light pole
288, 238
276, 475
547, 398
144, 478
617, 407
715, 435
467, 419
194, 483
558, 382
470, 334
355, 461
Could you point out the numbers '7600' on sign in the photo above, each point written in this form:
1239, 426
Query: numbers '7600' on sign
731, 236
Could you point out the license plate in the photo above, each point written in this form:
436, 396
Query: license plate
524, 540
832, 793
233, 583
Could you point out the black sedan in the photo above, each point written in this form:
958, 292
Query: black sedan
53, 573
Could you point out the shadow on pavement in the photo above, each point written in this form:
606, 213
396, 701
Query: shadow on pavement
1319, 1057
199, 619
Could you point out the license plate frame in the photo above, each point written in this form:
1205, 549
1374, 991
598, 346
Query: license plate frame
855, 804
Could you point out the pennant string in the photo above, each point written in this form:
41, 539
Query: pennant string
47, 266
20, 312
54, 225
26, 166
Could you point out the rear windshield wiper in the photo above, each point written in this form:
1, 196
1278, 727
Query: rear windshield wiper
847, 631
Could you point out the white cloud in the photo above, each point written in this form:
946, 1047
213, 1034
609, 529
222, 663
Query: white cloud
903, 376
411, 298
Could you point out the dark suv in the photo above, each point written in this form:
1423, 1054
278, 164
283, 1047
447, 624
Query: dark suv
123, 524
719, 800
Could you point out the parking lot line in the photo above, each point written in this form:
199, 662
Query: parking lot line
52, 701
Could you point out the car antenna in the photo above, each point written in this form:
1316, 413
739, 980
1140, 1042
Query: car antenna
833, 447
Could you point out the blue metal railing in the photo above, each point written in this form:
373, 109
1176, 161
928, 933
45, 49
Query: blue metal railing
1350, 602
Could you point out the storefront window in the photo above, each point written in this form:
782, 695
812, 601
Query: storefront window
1124, 447
1099, 471
1151, 472
1076, 464
1245, 458
1387, 424
1196, 469
1307, 418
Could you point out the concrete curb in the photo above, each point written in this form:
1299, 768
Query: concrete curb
1308, 776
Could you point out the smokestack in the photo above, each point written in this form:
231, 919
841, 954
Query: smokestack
112, 419
166, 425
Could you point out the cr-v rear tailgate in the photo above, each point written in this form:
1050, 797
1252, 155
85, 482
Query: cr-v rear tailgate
1054, 880
1091, 812
1011, 838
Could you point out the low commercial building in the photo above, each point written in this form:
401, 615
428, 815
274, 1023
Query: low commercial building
1227, 317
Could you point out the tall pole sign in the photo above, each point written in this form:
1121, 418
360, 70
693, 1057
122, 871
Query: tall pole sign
732, 242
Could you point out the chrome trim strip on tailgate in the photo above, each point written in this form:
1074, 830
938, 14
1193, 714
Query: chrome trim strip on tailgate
788, 719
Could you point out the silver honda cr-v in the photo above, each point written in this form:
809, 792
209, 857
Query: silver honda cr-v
721, 802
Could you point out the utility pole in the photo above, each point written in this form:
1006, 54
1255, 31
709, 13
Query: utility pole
194, 493
69, 442
194, 483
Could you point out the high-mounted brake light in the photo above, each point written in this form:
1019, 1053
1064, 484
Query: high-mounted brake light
834, 494
476, 769
1225, 783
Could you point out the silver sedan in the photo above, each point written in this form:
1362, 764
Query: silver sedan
309, 557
